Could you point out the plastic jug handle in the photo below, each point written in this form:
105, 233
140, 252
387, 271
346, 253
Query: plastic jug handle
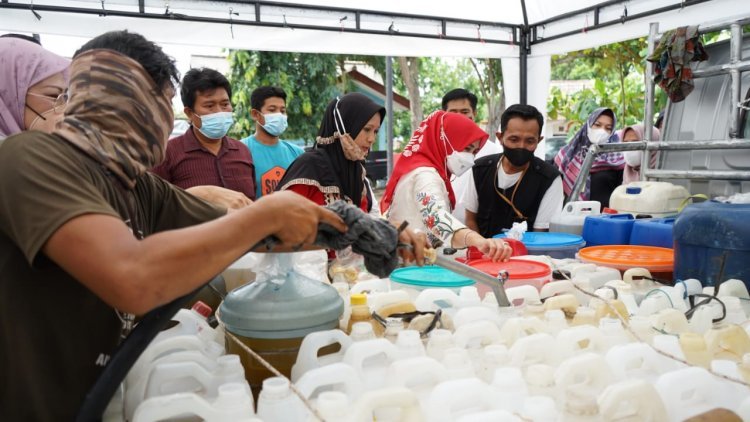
158, 409
400, 397
169, 372
687, 200
329, 375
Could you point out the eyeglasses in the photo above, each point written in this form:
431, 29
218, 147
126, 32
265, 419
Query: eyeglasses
59, 102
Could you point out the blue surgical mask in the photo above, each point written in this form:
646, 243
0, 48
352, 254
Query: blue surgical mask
276, 123
216, 125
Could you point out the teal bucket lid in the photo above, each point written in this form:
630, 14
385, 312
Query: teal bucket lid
430, 276
542, 240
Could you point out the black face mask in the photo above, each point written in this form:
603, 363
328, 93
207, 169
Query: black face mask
517, 156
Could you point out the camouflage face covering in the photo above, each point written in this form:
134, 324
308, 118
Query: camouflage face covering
116, 114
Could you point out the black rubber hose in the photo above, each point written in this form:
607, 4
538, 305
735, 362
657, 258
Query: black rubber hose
128, 352
125, 356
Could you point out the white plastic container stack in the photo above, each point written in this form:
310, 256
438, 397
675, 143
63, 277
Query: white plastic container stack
231, 404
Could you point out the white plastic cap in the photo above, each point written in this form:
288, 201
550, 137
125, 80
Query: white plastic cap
362, 331
332, 404
275, 388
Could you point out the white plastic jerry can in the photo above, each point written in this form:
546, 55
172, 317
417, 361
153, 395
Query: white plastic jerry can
308, 359
277, 403
688, 392
452, 399
233, 403
171, 378
136, 391
634, 361
166, 346
635, 400
334, 377
370, 359
582, 378
534, 349
191, 321
403, 400
508, 390
440, 340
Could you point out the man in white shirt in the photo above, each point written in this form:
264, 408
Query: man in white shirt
515, 185
464, 102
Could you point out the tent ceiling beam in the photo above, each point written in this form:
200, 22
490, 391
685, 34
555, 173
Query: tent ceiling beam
322, 18
599, 24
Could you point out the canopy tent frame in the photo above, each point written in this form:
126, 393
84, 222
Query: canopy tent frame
525, 35
524, 44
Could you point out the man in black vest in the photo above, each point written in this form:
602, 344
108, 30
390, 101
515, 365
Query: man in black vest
514, 186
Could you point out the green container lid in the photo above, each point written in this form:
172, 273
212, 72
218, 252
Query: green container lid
290, 306
429, 277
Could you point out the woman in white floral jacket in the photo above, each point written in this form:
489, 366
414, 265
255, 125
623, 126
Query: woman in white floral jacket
419, 190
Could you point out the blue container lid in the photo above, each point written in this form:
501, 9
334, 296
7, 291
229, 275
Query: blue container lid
430, 276
542, 240
634, 190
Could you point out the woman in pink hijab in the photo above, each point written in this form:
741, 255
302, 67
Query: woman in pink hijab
632, 172
32, 80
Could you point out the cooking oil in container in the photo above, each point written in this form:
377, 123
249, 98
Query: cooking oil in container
274, 314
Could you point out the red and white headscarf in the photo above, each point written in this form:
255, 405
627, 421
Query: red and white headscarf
427, 149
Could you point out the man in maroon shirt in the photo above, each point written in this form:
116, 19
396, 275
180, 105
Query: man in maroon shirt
204, 160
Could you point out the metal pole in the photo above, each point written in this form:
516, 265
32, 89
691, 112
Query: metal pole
735, 56
389, 113
522, 66
700, 174
648, 115
583, 175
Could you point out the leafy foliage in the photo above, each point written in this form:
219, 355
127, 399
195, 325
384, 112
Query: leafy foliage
308, 79
618, 73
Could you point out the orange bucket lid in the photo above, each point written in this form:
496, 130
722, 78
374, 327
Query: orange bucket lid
629, 256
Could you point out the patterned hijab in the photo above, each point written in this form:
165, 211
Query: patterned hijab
116, 114
570, 158
23, 64
427, 148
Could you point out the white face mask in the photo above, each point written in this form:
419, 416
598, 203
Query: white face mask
598, 136
458, 163
633, 158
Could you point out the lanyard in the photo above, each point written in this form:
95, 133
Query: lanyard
510, 201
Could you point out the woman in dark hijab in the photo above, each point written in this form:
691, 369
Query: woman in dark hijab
334, 169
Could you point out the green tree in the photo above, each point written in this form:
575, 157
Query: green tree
618, 71
490, 77
310, 81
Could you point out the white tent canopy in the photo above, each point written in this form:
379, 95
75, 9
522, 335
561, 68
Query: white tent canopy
495, 29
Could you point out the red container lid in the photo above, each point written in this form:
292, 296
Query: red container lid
518, 269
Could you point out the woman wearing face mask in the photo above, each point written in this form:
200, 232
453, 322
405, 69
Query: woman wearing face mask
606, 172
32, 88
334, 169
632, 172
419, 190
